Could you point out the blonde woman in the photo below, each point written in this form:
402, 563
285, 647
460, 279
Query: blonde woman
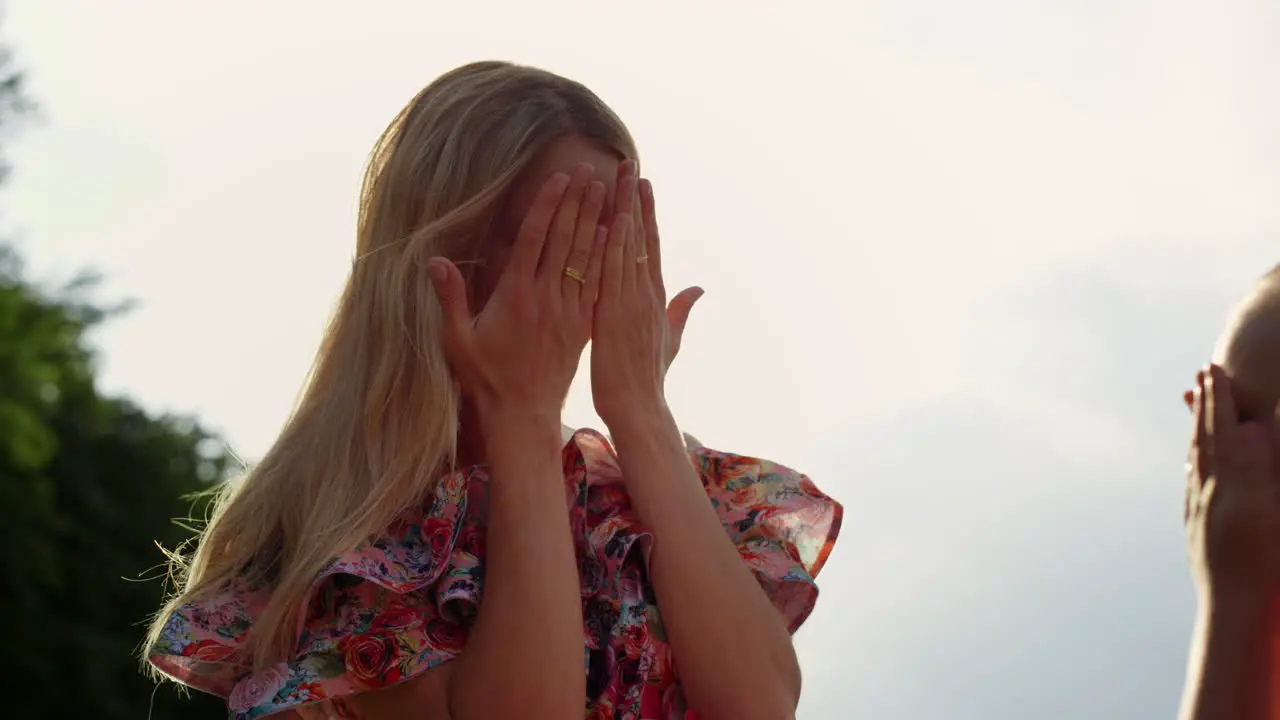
425, 539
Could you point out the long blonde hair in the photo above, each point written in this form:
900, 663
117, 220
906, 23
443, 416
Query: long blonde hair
379, 418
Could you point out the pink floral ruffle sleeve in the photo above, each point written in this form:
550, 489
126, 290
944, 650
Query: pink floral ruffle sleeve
405, 601
784, 527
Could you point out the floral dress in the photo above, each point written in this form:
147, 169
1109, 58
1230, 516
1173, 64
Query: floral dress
404, 601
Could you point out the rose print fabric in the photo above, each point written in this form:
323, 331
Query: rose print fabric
404, 602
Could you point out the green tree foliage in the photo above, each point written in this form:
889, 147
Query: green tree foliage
88, 485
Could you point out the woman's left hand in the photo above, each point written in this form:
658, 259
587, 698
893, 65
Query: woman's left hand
636, 334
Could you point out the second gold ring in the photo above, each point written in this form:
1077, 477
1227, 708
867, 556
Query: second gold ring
575, 274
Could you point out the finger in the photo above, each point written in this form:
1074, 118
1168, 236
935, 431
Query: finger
652, 243
1199, 456
615, 257
451, 291
532, 236
678, 313
1221, 412
629, 208
584, 241
1192, 469
639, 278
560, 238
595, 268
1188, 498
624, 201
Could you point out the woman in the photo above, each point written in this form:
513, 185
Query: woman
1233, 519
423, 540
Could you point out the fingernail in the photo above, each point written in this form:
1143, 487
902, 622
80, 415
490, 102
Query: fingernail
646, 188
559, 181
436, 271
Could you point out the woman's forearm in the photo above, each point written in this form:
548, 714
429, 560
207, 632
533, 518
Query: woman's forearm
524, 657
1229, 664
731, 647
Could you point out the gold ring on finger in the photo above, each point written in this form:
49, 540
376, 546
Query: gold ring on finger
642, 259
575, 274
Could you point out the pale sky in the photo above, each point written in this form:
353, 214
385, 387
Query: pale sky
960, 261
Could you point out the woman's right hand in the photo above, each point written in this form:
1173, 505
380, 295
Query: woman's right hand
1232, 507
521, 351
